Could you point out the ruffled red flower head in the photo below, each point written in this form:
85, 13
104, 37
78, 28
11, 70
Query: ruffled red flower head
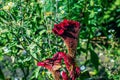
65, 26
69, 31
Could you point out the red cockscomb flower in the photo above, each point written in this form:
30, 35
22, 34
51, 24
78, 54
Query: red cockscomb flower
54, 64
69, 31
65, 26
51, 64
73, 70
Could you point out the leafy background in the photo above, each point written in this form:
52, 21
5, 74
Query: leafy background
26, 37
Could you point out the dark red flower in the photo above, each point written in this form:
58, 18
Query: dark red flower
65, 26
67, 60
58, 30
73, 70
51, 64
44, 64
69, 31
54, 64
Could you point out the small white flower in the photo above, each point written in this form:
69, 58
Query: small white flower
11, 4
99, 10
82, 68
100, 54
110, 36
111, 30
5, 49
6, 8
84, 40
16, 78
112, 60
62, 11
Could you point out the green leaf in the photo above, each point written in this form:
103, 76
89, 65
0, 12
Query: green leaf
1, 75
42, 32
37, 72
94, 59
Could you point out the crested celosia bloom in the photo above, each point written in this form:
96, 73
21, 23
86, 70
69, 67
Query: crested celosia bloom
54, 63
69, 31
67, 26
51, 64
73, 70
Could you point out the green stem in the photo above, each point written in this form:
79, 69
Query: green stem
1, 75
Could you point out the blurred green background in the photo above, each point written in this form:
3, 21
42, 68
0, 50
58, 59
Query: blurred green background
26, 37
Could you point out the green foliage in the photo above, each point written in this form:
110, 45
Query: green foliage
26, 37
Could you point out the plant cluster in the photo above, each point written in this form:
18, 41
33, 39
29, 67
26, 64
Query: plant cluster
69, 31
27, 37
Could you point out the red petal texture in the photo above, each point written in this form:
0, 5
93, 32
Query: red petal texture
73, 70
77, 71
49, 64
67, 60
64, 75
64, 26
44, 64
69, 31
